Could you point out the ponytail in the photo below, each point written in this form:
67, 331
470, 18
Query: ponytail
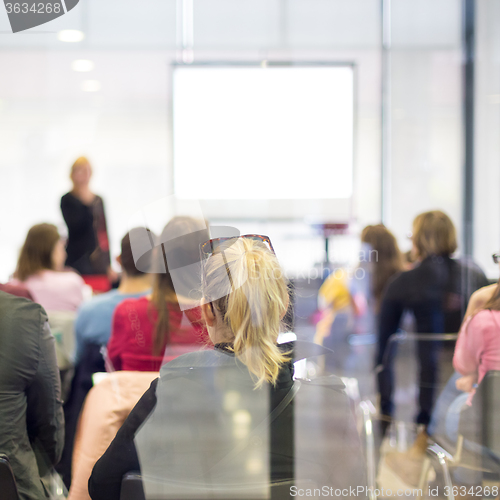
253, 300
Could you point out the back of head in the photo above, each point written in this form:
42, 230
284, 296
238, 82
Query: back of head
385, 256
142, 264
36, 253
177, 270
382, 241
434, 234
177, 261
245, 284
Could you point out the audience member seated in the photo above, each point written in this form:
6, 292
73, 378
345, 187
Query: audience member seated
477, 351
380, 260
434, 294
40, 269
151, 330
31, 417
233, 416
18, 290
106, 408
94, 319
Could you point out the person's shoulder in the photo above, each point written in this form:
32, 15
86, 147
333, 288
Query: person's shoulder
138, 304
486, 318
97, 302
204, 358
68, 276
467, 263
481, 296
68, 198
14, 308
16, 288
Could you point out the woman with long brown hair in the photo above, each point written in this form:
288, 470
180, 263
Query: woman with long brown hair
380, 260
148, 331
40, 269
384, 258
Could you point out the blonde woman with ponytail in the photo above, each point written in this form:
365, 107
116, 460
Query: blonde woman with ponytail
245, 299
213, 412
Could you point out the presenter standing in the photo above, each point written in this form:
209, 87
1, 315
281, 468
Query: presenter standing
88, 243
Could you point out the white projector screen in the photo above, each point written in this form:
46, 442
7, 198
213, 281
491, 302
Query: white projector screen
273, 142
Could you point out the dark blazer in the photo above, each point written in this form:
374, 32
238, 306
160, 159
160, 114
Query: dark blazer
31, 416
436, 291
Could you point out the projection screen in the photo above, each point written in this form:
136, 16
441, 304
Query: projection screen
264, 141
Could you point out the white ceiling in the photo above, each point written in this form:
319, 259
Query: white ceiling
246, 24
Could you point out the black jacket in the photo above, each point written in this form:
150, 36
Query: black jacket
436, 292
197, 401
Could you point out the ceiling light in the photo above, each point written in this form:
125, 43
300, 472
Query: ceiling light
91, 86
71, 36
82, 65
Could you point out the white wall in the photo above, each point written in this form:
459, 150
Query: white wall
46, 120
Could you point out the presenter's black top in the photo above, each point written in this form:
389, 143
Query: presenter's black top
88, 244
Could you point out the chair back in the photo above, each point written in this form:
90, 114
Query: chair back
62, 327
7, 480
223, 439
132, 487
489, 392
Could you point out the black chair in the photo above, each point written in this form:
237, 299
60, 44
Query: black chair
7, 480
482, 428
325, 449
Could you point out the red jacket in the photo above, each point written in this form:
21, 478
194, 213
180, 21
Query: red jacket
131, 344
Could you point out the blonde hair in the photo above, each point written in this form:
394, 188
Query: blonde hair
82, 160
245, 283
434, 234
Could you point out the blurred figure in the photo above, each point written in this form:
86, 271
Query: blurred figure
94, 319
384, 260
31, 417
93, 330
477, 351
88, 243
142, 328
380, 260
40, 269
434, 293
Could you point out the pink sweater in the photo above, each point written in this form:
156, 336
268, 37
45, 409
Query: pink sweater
55, 290
478, 345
